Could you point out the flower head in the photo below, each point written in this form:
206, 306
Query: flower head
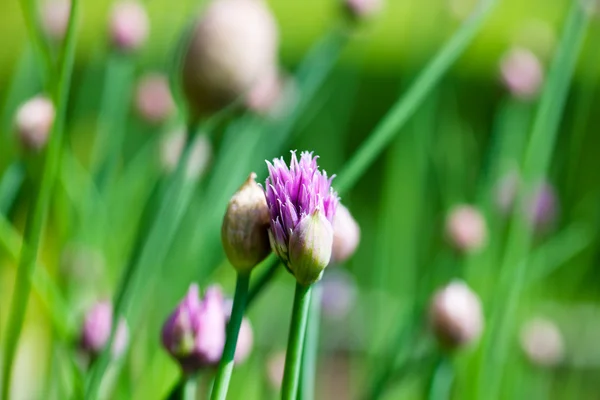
346, 235
194, 334
33, 122
153, 100
302, 206
466, 228
55, 18
96, 330
129, 25
542, 342
522, 73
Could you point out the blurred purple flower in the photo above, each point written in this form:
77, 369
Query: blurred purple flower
339, 293
194, 334
302, 206
245, 336
522, 73
542, 207
96, 330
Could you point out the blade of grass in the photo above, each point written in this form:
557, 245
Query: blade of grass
12, 179
535, 164
36, 219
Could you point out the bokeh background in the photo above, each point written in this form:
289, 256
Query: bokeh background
468, 133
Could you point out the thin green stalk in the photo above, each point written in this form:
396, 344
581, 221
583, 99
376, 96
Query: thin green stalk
440, 387
40, 45
36, 218
306, 390
408, 104
267, 276
12, 179
293, 356
537, 159
185, 389
143, 268
225, 369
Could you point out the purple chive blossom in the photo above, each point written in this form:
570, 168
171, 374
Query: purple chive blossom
302, 206
194, 334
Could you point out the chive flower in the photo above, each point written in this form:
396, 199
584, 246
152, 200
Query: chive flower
96, 328
302, 207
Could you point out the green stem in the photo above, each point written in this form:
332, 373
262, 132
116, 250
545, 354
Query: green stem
306, 391
225, 369
185, 389
408, 104
293, 357
40, 46
263, 280
440, 386
36, 218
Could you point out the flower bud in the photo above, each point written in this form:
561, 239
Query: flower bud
506, 191
233, 45
266, 93
55, 18
245, 340
310, 249
466, 228
275, 367
455, 315
34, 121
542, 342
171, 148
339, 293
153, 99
194, 334
244, 232
522, 73
129, 25
362, 9
542, 208
96, 330
346, 235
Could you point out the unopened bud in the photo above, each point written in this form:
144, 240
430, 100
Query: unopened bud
96, 331
153, 99
244, 232
339, 293
466, 228
456, 316
542, 208
129, 25
311, 245
275, 367
362, 9
522, 73
346, 235
233, 45
171, 149
55, 18
34, 121
542, 342
266, 93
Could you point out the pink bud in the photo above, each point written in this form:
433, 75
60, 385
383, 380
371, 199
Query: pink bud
34, 121
522, 73
275, 367
346, 235
96, 330
55, 18
171, 148
361, 9
266, 93
339, 293
244, 343
466, 228
153, 98
542, 342
129, 25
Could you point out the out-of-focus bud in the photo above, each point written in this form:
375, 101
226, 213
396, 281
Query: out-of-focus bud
542, 342
55, 18
245, 340
346, 235
194, 334
362, 9
522, 73
33, 122
171, 148
129, 25
542, 208
311, 245
456, 316
233, 45
466, 228
275, 367
244, 232
339, 293
506, 192
96, 330
265, 94
153, 99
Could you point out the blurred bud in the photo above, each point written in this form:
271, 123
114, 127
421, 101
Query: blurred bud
506, 192
346, 235
542, 208
233, 45
55, 18
522, 73
362, 9
466, 228
96, 329
339, 293
310, 249
275, 367
245, 340
129, 25
194, 334
171, 148
33, 122
244, 232
542, 342
266, 93
153, 99
456, 316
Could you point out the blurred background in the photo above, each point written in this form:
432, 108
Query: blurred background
437, 204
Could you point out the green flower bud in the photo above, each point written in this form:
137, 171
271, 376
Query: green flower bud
310, 248
244, 232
